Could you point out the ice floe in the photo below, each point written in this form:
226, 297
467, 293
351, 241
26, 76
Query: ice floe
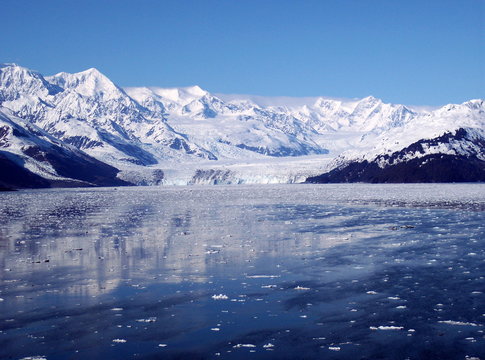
459, 323
244, 346
220, 297
383, 327
119, 340
301, 288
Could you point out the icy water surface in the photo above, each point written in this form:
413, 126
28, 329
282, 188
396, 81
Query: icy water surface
244, 272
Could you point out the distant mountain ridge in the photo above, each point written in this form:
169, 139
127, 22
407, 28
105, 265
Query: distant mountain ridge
152, 135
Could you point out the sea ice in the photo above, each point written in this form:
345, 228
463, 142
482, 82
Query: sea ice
244, 346
220, 297
383, 327
459, 323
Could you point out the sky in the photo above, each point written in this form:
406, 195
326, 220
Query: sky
420, 52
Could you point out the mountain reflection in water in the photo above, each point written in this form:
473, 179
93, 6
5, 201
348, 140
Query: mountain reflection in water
300, 271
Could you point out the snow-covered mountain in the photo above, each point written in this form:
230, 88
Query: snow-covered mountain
29, 157
445, 145
188, 135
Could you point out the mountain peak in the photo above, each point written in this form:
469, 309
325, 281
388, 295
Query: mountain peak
12, 68
195, 90
89, 82
370, 99
15, 79
475, 103
92, 72
4, 65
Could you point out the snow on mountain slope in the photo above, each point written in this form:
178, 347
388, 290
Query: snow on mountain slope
17, 82
457, 156
444, 145
90, 112
224, 127
29, 157
449, 118
185, 133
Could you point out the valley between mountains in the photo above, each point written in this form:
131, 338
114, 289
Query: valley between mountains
81, 129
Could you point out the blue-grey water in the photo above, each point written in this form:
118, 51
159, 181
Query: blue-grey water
244, 272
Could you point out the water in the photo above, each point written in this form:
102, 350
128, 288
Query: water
264, 272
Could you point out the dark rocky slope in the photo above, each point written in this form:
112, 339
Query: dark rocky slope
415, 163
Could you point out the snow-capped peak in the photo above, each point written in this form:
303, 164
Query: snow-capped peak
181, 96
16, 80
370, 99
89, 82
194, 90
475, 104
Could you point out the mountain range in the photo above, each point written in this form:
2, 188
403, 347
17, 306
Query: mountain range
83, 130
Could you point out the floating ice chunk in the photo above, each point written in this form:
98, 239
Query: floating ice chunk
268, 345
401, 307
394, 298
117, 309
162, 345
1, 299
212, 251
460, 323
334, 348
383, 327
215, 329
473, 292
268, 286
244, 345
220, 297
262, 276
301, 288
371, 292
119, 340
149, 320
36, 357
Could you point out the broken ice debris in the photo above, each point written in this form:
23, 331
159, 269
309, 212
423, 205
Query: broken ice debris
460, 323
149, 320
119, 340
220, 297
244, 345
382, 327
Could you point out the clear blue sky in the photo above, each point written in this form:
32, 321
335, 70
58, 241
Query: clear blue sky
411, 51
